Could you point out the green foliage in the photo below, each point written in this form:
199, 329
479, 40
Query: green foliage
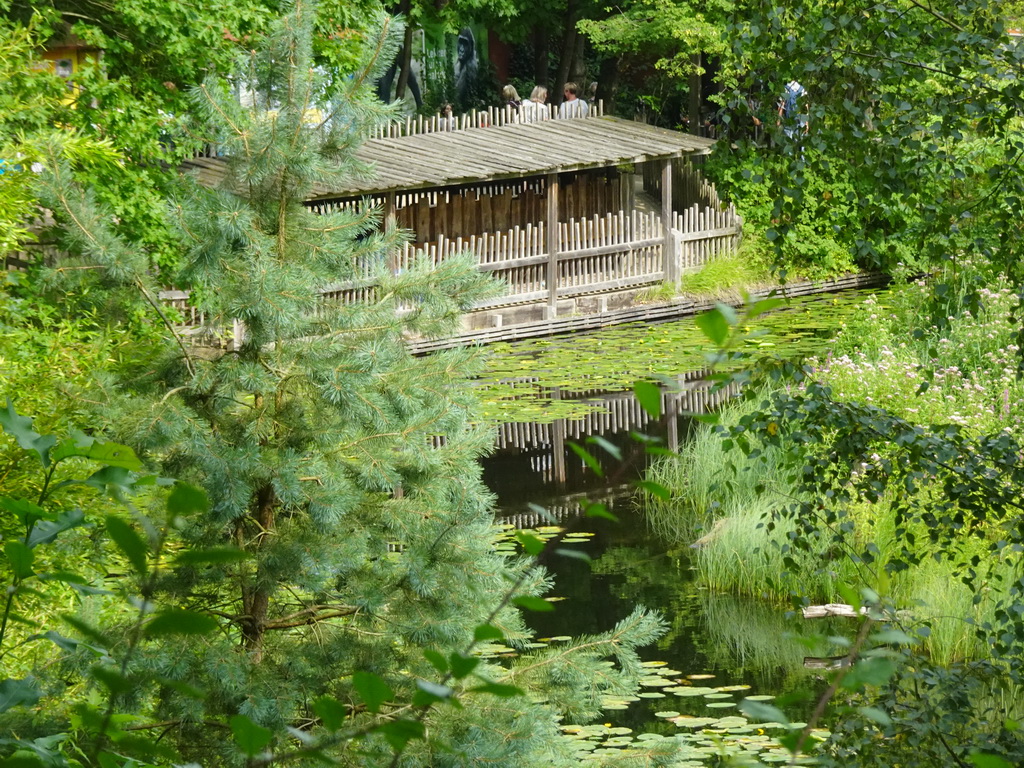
668, 32
918, 106
348, 548
727, 274
36, 594
893, 499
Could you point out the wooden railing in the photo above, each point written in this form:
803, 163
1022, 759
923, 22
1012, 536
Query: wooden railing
598, 255
414, 125
484, 118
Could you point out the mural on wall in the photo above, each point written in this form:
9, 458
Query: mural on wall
447, 68
467, 67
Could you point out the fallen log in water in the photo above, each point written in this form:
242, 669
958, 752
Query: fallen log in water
833, 609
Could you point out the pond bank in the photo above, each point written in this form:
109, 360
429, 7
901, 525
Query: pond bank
604, 317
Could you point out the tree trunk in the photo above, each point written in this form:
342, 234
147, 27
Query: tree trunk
256, 597
608, 82
578, 70
695, 95
567, 52
405, 55
541, 49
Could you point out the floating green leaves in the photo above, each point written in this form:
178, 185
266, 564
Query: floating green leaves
544, 380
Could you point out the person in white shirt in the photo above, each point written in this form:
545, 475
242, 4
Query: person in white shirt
535, 108
573, 106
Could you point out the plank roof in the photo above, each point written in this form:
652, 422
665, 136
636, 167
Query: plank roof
444, 159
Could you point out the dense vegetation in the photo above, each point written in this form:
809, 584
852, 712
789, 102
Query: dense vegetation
284, 553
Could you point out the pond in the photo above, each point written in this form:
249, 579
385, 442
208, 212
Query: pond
718, 649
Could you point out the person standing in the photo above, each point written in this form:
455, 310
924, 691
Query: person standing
573, 106
793, 110
535, 108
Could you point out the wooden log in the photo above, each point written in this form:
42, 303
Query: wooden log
833, 609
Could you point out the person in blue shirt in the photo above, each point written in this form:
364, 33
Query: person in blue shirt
793, 114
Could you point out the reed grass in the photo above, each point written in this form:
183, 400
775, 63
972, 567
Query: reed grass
722, 502
725, 273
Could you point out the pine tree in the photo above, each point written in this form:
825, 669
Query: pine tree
340, 466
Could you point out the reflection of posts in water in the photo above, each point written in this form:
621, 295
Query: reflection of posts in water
558, 443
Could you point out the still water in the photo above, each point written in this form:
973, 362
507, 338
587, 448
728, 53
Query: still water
546, 394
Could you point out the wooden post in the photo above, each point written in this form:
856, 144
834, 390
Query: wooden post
670, 264
552, 244
390, 222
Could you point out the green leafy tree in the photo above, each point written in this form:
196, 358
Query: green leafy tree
921, 102
341, 470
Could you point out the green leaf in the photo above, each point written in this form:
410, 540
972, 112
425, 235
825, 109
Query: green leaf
330, 711
211, 556
183, 688
484, 632
597, 509
398, 733
18, 693
179, 622
875, 715
498, 689
761, 712
372, 690
187, 500
714, 326
575, 554
251, 738
46, 531
463, 666
87, 630
20, 428
436, 659
531, 603
435, 690
655, 489
26, 512
116, 481
649, 397
129, 542
588, 459
20, 558
612, 449
532, 545
727, 312
983, 760
112, 679
64, 643
764, 305
893, 636
75, 581
870, 671
87, 447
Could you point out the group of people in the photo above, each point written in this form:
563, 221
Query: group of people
536, 108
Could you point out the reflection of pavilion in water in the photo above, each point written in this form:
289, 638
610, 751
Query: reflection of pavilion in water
533, 461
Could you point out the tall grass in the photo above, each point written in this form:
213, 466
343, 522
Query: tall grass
728, 272
722, 502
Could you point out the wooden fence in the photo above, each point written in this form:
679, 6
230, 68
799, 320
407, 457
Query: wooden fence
598, 255
414, 125
417, 124
689, 187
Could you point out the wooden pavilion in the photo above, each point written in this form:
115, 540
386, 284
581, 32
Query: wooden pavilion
548, 207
